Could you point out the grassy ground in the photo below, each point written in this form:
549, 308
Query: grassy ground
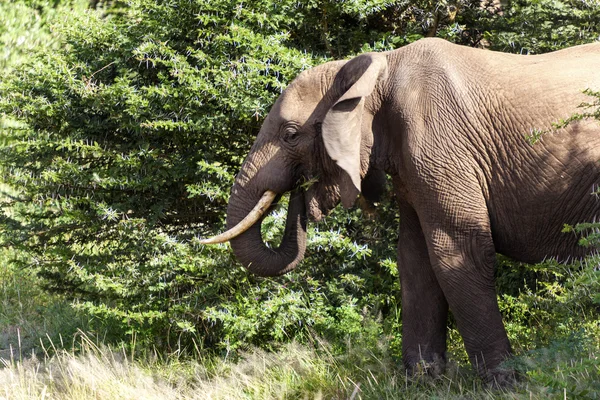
44, 353
295, 372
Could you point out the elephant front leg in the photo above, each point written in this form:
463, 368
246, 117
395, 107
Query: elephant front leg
424, 308
463, 255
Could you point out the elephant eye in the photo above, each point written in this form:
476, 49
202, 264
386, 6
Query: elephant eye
291, 135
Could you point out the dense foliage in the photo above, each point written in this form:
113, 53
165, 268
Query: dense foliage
130, 133
134, 129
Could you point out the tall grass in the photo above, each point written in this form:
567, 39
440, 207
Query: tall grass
92, 373
95, 372
295, 372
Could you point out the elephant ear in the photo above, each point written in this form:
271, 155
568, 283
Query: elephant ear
342, 124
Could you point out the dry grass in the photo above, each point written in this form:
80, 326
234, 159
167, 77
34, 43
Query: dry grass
92, 374
295, 372
101, 374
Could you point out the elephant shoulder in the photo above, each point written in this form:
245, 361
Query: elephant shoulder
429, 63
434, 56
430, 47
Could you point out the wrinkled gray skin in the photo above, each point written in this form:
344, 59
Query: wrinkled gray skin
449, 125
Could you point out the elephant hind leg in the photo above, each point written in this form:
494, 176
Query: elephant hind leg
424, 308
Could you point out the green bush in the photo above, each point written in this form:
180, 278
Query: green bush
543, 25
132, 131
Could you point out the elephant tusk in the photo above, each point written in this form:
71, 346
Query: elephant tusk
254, 215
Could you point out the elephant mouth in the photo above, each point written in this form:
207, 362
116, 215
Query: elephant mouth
315, 214
316, 210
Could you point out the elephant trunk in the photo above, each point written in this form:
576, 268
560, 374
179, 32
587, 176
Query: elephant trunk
251, 250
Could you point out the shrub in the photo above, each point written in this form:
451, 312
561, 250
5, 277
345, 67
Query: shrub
132, 131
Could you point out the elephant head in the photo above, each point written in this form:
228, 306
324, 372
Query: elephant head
317, 134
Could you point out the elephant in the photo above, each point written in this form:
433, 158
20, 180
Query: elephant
450, 125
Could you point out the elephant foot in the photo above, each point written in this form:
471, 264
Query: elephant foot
501, 378
433, 367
